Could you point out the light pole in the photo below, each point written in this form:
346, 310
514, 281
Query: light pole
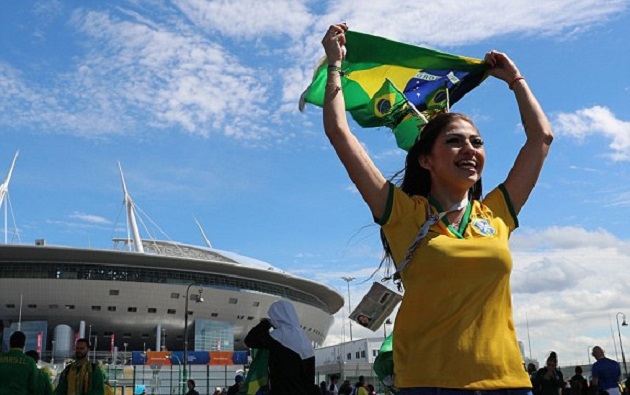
388, 322
588, 353
179, 374
198, 300
623, 357
347, 280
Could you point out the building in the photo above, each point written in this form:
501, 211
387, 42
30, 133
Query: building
136, 300
349, 360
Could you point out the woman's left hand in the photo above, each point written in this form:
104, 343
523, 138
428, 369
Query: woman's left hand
502, 67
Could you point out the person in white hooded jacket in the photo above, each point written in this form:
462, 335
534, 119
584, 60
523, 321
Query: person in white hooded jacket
291, 356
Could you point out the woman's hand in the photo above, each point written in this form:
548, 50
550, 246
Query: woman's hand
334, 42
502, 67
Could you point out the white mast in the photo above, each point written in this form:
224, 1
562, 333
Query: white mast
131, 215
203, 234
4, 190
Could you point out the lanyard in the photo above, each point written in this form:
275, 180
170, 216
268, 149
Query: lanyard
424, 230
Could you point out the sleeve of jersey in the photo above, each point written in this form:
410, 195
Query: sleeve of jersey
401, 221
499, 202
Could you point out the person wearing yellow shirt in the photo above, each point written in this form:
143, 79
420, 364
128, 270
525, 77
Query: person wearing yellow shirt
454, 331
81, 377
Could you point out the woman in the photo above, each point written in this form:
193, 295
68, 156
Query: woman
549, 380
291, 356
454, 329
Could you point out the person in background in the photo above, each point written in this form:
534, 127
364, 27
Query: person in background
18, 373
81, 377
605, 372
191, 387
43, 380
291, 355
450, 244
579, 385
236, 387
332, 387
323, 388
346, 388
549, 380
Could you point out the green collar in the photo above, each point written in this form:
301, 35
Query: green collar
459, 232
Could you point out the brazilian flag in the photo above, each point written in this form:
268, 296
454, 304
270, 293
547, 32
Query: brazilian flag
257, 380
397, 85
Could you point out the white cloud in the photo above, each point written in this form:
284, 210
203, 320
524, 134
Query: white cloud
564, 285
597, 120
90, 218
455, 23
248, 19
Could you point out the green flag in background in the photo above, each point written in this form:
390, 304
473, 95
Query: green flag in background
384, 364
257, 380
397, 85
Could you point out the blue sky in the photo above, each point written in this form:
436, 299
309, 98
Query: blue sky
198, 101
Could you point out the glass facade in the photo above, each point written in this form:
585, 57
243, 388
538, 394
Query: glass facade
150, 275
213, 335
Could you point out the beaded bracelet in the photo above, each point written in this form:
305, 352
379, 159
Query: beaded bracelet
517, 78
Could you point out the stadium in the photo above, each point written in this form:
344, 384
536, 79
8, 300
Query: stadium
136, 300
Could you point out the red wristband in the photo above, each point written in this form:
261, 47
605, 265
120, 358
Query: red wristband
517, 78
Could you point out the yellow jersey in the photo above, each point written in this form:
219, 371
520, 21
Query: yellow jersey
454, 328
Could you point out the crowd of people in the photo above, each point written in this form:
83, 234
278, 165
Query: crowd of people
19, 374
346, 388
605, 378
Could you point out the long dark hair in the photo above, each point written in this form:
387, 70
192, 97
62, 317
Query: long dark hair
416, 179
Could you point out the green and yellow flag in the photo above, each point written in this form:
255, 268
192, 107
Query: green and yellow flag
257, 380
397, 85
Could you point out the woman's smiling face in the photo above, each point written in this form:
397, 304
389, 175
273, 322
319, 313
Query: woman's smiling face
457, 156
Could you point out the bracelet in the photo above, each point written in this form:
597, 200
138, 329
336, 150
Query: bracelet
517, 78
333, 68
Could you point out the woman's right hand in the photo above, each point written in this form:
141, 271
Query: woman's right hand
334, 42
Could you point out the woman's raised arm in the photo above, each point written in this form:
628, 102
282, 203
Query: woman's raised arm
362, 171
528, 164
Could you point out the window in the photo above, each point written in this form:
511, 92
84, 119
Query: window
69, 307
250, 318
96, 308
132, 309
114, 292
256, 304
53, 306
32, 306
151, 310
145, 335
174, 295
374, 353
349, 356
357, 354
240, 317
363, 354
111, 308
126, 335
233, 301
214, 315
171, 311
10, 306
